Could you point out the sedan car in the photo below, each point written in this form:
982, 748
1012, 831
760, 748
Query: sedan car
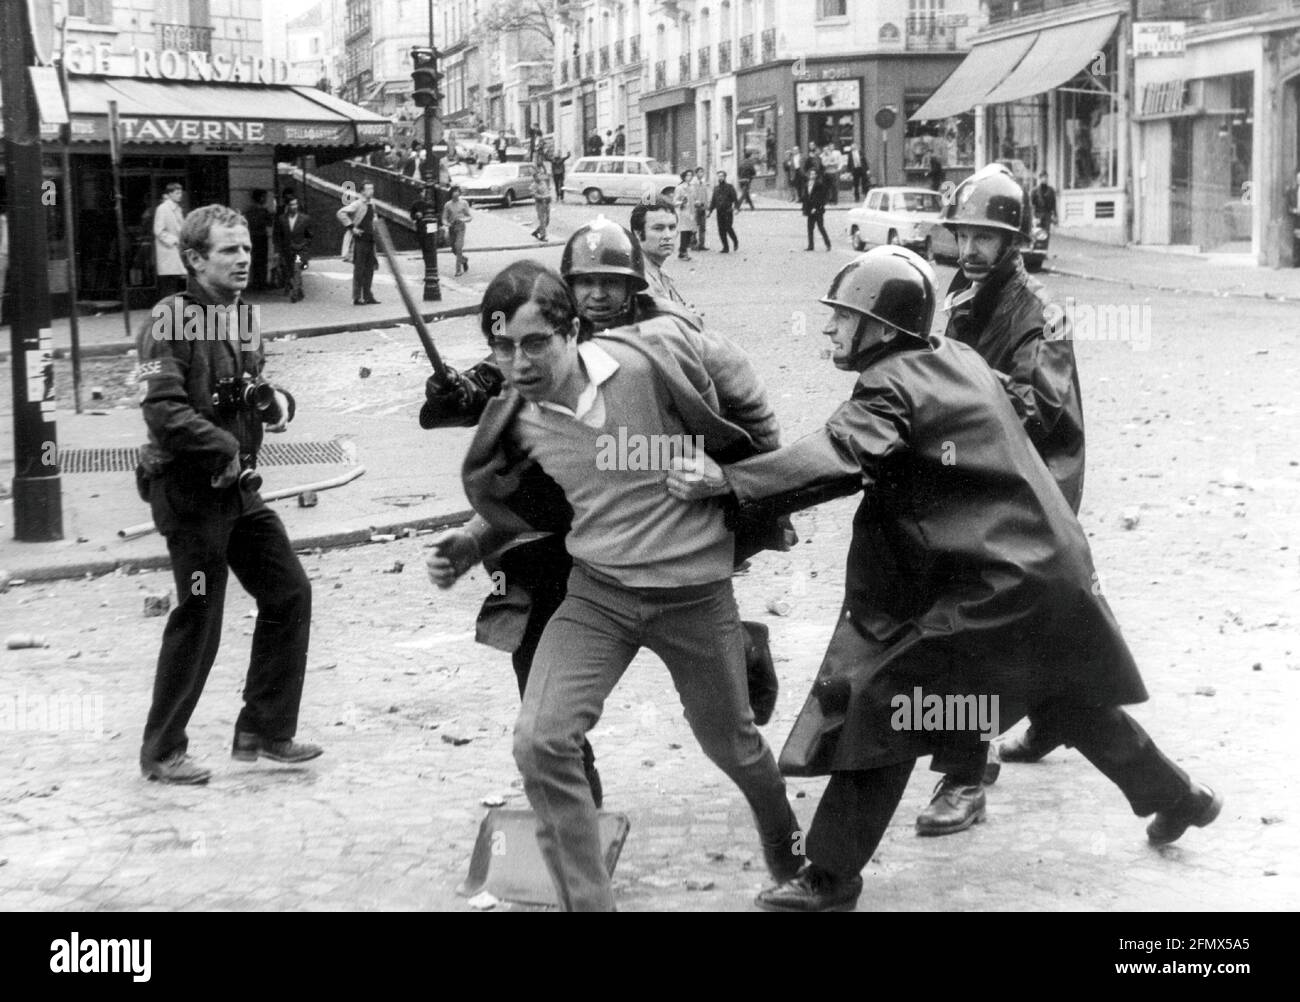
607, 179
903, 216
504, 184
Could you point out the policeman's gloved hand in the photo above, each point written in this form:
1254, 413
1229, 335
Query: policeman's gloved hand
451, 390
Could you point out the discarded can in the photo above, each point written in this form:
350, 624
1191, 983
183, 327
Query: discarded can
17, 641
778, 607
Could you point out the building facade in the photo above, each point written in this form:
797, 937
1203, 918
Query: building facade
714, 83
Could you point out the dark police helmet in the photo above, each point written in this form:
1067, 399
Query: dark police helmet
602, 247
990, 197
890, 284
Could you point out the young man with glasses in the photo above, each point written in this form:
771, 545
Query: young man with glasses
649, 571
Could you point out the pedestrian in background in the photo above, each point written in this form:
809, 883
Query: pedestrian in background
725, 202
620, 142
832, 164
1043, 201
260, 217
557, 173
293, 239
359, 217
456, 215
853, 165
746, 175
791, 166
684, 199
167, 221
703, 199
814, 205
542, 192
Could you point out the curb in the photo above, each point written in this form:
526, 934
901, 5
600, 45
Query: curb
121, 347
325, 541
1132, 284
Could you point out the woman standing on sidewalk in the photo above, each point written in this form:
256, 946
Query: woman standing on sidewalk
684, 198
456, 215
542, 192
814, 204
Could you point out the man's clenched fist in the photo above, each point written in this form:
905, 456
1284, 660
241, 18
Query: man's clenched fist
451, 554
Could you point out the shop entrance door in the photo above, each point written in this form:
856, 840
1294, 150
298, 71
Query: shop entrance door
1180, 182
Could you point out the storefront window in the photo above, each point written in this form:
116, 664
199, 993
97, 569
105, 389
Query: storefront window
1241, 130
1090, 124
1018, 137
829, 113
952, 140
756, 137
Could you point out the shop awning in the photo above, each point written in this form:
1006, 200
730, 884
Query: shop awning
158, 112
986, 66
1056, 55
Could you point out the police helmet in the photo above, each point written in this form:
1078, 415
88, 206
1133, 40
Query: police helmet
992, 198
603, 247
891, 284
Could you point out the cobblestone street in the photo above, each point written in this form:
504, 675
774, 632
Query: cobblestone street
1191, 505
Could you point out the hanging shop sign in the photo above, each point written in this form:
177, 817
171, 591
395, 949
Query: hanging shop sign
1159, 38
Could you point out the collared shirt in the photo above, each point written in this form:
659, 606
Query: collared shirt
599, 366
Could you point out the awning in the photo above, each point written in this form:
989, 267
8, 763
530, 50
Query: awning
154, 112
981, 71
667, 99
1056, 55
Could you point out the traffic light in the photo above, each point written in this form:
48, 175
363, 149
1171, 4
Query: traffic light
427, 79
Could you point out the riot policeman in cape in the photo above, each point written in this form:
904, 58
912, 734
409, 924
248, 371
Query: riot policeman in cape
605, 267
998, 309
968, 584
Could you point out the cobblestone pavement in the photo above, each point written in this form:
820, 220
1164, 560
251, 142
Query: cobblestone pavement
1191, 506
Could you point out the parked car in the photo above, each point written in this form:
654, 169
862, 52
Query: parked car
467, 145
903, 216
607, 179
504, 184
515, 150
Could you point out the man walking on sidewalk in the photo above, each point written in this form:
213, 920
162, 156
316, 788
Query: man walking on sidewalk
205, 405
456, 215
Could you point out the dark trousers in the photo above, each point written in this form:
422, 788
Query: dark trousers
291, 274
260, 259
686, 239
744, 194
364, 264
856, 808
210, 533
818, 219
727, 229
857, 186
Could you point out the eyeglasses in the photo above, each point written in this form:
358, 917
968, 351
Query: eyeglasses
534, 346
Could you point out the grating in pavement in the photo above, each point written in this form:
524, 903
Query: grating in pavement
124, 459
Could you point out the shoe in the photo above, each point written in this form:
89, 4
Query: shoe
724, 251
683, 257
760, 672
955, 808
783, 863
1199, 807
810, 248
593, 777
375, 302
177, 768
1024, 748
993, 766
248, 746
465, 263
357, 302
813, 890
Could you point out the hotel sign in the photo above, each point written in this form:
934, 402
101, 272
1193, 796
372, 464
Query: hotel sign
99, 59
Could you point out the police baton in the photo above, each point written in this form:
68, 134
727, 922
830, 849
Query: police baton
386, 245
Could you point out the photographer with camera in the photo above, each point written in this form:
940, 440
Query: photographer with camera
205, 405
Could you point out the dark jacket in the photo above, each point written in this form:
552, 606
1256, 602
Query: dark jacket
187, 434
967, 572
1008, 323
816, 195
1043, 200
295, 239
724, 200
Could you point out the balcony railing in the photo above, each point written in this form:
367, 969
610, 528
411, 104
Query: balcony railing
703, 62
589, 63
684, 67
184, 37
724, 56
618, 53
661, 74
746, 51
927, 34
634, 49
604, 59
769, 44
